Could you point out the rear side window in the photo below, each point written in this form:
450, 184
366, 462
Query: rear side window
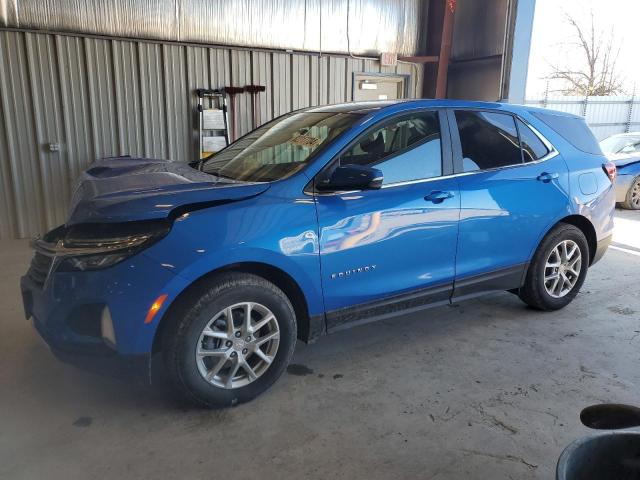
572, 129
407, 148
488, 140
532, 147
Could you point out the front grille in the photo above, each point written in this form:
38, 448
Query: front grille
39, 269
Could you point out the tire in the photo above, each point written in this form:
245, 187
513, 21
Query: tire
632, 199
551, 296
186, 368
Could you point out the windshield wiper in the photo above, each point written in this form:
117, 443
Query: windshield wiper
197, 164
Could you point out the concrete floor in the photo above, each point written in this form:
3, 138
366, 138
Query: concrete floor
485, 389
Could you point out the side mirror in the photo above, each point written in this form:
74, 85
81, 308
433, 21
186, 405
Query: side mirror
350, 177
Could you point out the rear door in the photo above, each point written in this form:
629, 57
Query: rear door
391, 249
510, 195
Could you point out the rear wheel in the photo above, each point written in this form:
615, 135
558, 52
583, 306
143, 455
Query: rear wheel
632, 200
558, 269
232, 343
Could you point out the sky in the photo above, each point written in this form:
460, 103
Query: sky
551, 33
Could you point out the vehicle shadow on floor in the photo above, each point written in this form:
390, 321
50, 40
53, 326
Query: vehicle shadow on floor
64, 383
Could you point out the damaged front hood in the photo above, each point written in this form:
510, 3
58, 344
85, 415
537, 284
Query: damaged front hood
125, 189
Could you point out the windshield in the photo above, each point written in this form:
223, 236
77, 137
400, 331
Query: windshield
621, 145
280, 148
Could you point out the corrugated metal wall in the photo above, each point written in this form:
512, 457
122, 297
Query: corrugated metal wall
479, 29
478, 48
98, 97
373, 26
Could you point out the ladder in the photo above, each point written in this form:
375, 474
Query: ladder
213, 122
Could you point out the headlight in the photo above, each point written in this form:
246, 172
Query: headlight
91, 262
97, 246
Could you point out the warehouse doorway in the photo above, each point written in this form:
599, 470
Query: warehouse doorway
379, 86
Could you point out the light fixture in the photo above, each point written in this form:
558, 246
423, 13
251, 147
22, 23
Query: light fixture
155, 307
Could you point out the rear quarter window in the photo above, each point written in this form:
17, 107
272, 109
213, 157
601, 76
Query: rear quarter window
572, 129
532, 147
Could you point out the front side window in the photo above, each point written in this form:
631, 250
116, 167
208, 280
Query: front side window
405, 149
279, 148
532, 147
488, 140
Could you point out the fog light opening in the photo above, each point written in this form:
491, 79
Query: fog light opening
106, 328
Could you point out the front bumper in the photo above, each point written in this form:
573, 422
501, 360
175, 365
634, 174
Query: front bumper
99, 359
67, 309
623, 184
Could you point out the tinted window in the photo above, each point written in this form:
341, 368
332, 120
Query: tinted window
573, 129
532, 147
405, 149
488, 140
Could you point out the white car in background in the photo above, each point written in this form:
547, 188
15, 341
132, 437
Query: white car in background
624, 151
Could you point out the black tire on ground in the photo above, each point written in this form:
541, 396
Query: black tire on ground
632, 202
533, 292
187, 322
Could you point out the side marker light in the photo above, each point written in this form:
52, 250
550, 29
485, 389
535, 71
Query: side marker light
155, 306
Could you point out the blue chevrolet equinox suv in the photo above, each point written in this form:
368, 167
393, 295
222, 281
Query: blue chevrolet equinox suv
207, 272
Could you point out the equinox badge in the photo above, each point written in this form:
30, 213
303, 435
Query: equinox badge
353, 271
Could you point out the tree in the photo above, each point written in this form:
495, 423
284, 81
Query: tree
594, 71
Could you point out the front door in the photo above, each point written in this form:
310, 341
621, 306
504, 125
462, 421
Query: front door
510, 196
393, 248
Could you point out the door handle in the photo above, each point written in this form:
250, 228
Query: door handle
438, 196
547, 177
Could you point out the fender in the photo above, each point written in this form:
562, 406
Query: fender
183, 280
224, 258
262, 230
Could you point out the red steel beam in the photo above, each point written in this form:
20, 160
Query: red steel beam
445, 48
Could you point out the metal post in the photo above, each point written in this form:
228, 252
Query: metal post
518, 58
630, 111
445, 48
200, 109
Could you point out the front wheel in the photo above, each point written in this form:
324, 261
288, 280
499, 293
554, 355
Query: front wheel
232, 343
558, 269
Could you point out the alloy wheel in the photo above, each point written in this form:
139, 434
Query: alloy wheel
238, 345
562, 269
